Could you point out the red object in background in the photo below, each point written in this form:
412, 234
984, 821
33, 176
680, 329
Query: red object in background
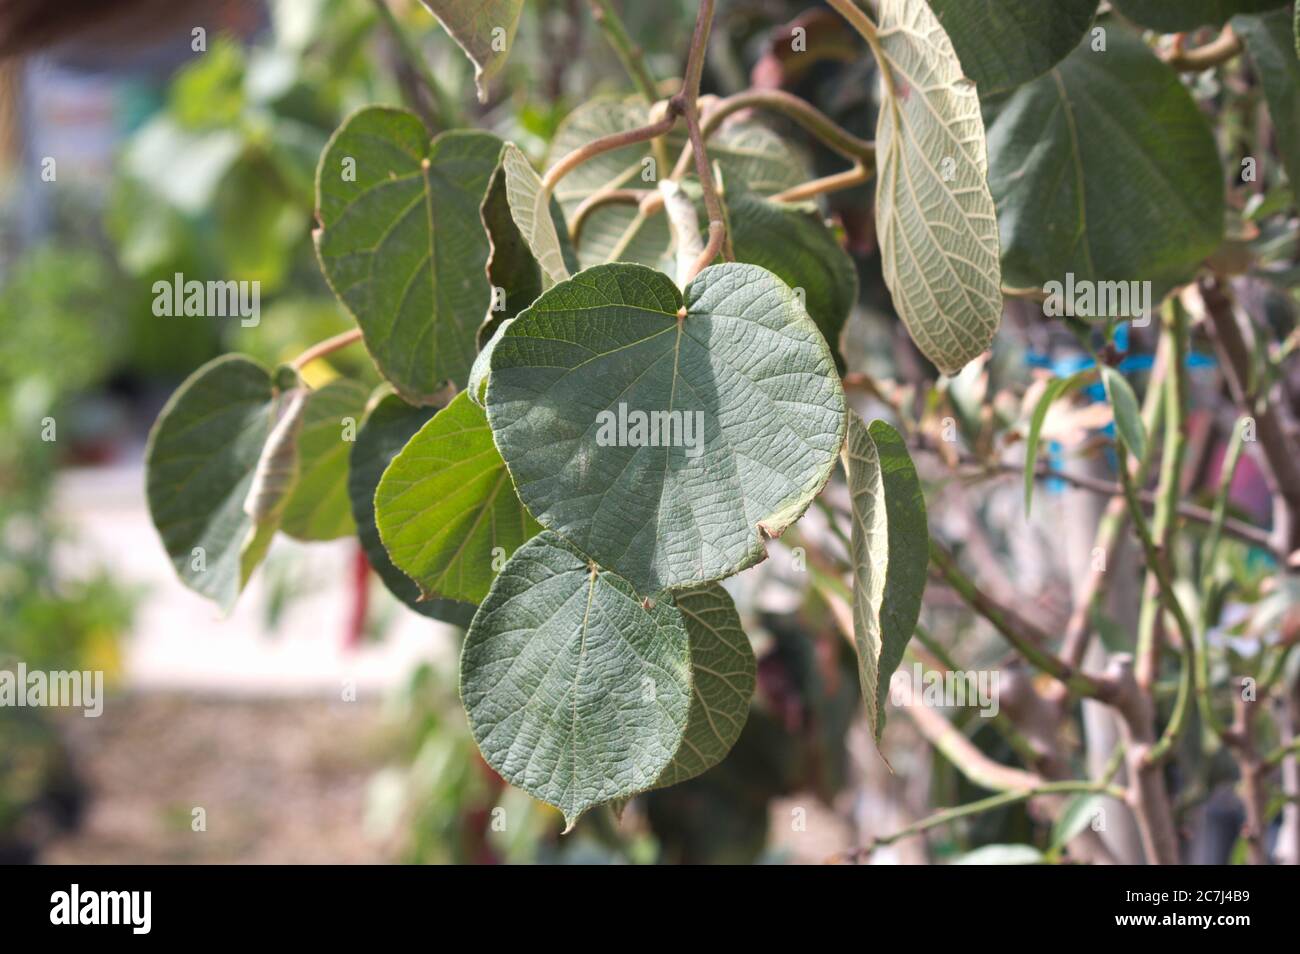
360, 599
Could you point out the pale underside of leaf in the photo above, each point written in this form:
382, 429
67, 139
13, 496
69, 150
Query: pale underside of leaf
934, 214
745, 151
576, 692
890, 546
484, 29
530, 207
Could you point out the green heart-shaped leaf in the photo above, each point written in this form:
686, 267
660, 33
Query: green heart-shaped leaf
1105, 169
402, 244
389, 425
935, 217
446, 509
890, 552
575, 691
1003, 43
663, 448
203, 453
318, 508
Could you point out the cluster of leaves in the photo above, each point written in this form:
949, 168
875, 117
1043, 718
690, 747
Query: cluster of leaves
603, 658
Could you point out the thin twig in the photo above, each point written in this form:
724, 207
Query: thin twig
322, 348
1207, 56
949, 815
1027, 639
686, 101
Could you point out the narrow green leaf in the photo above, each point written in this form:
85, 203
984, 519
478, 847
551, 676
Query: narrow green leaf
1274, 49
723, 676
390, 423
200, 463
318, 508
402, 243
890, 552
1077, 815
667, 449
1180, 16
1055, 389
1004, 43
576, 692
1128, 415
935, 217
1095, 181
484, 29
445, 507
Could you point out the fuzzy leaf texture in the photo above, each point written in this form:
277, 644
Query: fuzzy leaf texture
890, 555
934, 214
402, 244
576, 692
750, 417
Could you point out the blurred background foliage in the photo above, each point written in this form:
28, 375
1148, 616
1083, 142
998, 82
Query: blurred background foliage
202, 163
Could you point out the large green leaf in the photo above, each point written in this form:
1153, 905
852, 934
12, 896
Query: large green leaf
1271, 42
745, 151
318, 508
389, 425
576, 691
793, 243
402, 244
890, 551
485, 30
446, 509
1179, 16
743, 389
934, 215
1105, 168
1003, 43
723, 676
200, 463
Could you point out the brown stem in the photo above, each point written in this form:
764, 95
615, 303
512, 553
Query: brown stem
596, 147
1147, 795
322, 348
686, 103
598, 199
1241, 742
1219, 50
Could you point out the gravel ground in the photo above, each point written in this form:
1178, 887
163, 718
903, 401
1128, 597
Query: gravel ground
280, 781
